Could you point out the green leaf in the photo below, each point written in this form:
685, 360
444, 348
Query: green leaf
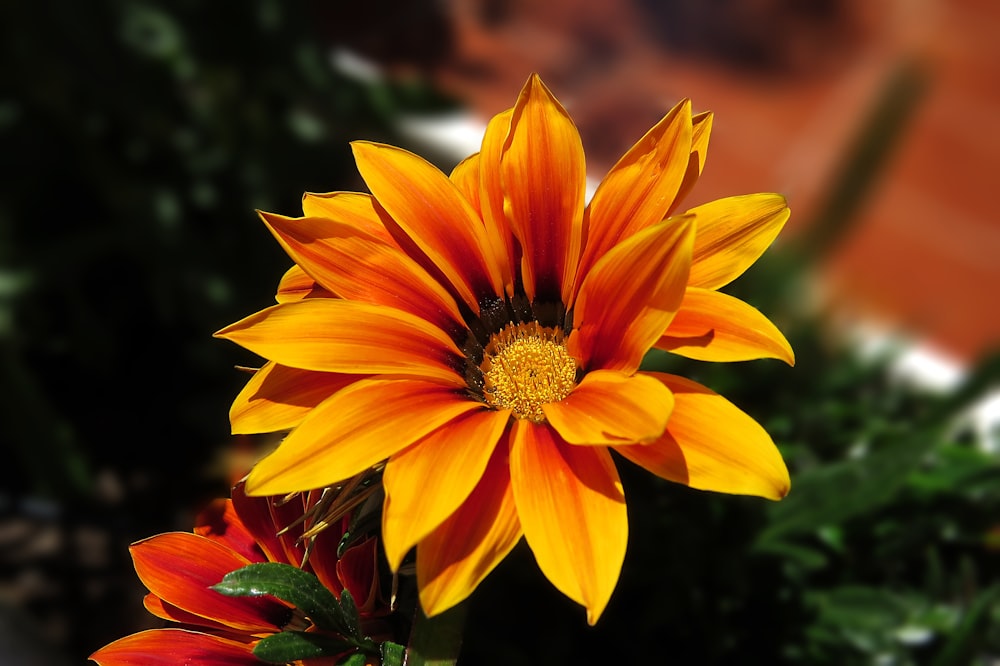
295, 645
297, 587
392, 654
969, 635
819, 499
356, 659
349, 611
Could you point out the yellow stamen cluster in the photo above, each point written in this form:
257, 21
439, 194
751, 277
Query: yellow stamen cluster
526, 366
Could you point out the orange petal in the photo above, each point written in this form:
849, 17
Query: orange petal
425, 483
453, 559
732, 234
435, 216
278, 398
630, 296
168, 647
544, 184
333, 335
572, 510
179, 568
360, 267
491, 197
710, 444
712, 326
351, 208
609, 407
355, 429
296, 285
701, 130
641, 187
465, 176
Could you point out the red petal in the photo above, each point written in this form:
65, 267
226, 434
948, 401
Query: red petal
160, 608
169, 647
358, 572
260, 517
220, 522
180, 568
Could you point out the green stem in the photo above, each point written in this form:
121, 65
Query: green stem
436, 641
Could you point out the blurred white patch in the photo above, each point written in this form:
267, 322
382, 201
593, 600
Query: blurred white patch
924, 367
355, 66
456, 134
928, 369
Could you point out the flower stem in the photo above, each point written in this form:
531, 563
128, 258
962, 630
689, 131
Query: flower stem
436, 641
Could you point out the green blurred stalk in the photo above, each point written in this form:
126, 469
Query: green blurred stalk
436, 641
879, 134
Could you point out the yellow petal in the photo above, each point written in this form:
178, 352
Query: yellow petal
712, 326
711, 444
355, 429
732, 234
609, 407
434, 215
333, 335
352, 208
278, 398
641, 187
427, 482
701, 130
630, 296
455, 557
544, 184
572, 509
359, 267
296, 285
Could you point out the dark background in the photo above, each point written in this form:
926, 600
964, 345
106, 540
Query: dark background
136, 141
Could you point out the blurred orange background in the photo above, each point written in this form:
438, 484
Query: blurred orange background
799, 90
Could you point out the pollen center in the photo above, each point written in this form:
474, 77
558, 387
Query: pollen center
526, 366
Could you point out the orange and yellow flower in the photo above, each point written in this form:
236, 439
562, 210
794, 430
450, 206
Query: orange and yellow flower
482, 333
179, 569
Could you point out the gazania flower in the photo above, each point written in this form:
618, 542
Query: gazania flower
179, 569
483, 332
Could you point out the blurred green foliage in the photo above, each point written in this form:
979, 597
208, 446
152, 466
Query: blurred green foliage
136, 141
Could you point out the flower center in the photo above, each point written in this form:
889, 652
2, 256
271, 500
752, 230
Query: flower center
526, 366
